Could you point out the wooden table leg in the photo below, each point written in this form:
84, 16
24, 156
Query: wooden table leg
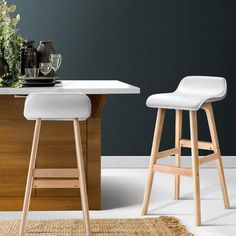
93, 167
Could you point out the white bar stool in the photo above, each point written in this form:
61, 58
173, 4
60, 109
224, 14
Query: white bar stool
56, 106
193, 93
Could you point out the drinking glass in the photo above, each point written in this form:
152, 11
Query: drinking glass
55, 60
45, 67
31, 72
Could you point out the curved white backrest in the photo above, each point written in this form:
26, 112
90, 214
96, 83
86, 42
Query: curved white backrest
57, 106
208, 86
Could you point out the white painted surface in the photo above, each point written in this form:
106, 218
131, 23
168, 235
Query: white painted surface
122, 194
57, 106
191, 93
143, 162
79, 86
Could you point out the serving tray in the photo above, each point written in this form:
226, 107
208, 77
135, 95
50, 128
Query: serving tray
41, 84
41, 78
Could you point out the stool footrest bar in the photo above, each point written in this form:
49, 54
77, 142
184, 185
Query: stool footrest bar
201, 144
173, 170
44, 183
208, 158
167, 153
56, 173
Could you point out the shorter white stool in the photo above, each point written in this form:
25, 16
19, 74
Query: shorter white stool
193, 93
56, 106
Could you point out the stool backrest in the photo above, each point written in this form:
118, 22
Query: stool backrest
57, 106
204, 85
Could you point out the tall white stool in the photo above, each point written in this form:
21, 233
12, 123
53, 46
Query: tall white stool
57, 106
193, 93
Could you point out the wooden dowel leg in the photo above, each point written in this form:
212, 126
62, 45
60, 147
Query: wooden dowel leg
195, 166
178, 136
155, 149
83, 189
216, 147
223, 182
30, 178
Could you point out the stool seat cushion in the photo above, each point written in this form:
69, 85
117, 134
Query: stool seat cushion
57, 106
191, 94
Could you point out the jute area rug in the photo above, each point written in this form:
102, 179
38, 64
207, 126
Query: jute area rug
162, 226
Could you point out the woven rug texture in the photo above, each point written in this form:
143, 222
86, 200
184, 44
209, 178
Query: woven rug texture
162, 226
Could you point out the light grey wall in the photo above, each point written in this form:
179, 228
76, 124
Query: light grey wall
151, 44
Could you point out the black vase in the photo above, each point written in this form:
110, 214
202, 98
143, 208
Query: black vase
45, 48
29, 57
4, 68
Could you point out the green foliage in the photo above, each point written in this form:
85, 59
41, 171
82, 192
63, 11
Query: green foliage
11, 44
8, 80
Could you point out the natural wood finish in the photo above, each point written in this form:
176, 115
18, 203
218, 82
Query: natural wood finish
207, 158
45, 183
178, 136
195, 166
93, 168
82, 179
166, 153
20, 96
201, 144
194, 144
55, 183
13, 175
15, 147
173, 170
213, 131
56, 150
155, 149
67, 203
56, 173
30, 178
98, 102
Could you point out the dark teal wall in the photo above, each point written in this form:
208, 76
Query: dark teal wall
148, 43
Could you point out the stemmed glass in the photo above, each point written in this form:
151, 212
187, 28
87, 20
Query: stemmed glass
55, 61
45, 67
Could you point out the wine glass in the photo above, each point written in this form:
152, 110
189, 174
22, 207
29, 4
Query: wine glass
55, 60
45, 67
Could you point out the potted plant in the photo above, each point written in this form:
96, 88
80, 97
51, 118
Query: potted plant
11, 44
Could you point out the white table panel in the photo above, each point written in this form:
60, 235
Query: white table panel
82, 86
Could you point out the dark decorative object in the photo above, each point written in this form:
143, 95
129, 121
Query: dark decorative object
41, 81
29, 57
45, 48
4, 68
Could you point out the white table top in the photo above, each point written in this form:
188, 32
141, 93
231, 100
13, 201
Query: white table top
81, 86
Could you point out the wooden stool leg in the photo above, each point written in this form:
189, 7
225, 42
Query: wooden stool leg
83, 189
155, 149
194, 148
178, 136
216, 146
30, 178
